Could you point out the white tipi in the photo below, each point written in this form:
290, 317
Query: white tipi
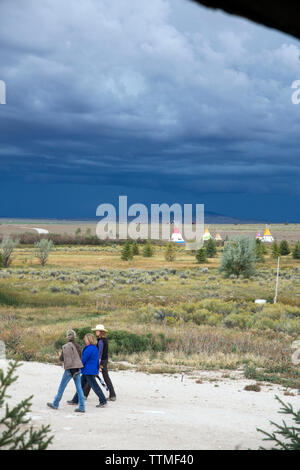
176, 236
267, 237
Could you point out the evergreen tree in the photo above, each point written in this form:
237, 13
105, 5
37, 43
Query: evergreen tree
259, 250
284, 248
126, 253
296, 251
211, 248
201, 255
135, 249
239, 257
12, 436
170, 253
148, 250
275, 250
1, 260
286, 437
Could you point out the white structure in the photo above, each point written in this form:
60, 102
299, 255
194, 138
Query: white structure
176, 236
206, 235
218, 237
267, 237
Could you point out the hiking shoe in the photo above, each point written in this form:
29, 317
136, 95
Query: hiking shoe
78, 410
51, 406
112, 398
70, 402
101, 405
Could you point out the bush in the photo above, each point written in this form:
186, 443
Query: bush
170, 254
42, 250
238, 257
7, 247
123, 342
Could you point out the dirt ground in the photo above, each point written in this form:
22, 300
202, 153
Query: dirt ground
154, 411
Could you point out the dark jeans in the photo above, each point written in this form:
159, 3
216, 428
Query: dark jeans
90, 381
112, 393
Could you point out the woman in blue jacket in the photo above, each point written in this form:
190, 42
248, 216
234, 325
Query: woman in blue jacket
90, 361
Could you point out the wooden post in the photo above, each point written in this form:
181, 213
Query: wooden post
277, 279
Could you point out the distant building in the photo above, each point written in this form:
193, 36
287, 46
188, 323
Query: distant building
206, 235
267, 237
218, 237
176, 236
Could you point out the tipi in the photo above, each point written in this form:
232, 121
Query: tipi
267, 237
206, 235
176, 236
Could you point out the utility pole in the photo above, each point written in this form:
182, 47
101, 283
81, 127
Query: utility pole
277, 279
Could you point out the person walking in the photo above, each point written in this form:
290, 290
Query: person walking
102, 344
71, 358
90, 360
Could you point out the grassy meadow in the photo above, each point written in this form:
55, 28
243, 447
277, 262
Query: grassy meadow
163, 316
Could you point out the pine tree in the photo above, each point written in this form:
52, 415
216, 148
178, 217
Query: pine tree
12, 436
201, 255
259, 250
284, 248
296, 251
211, 248
148, 250
126, 253
286, 437
275, 250
170, 254
135, 249
239, 257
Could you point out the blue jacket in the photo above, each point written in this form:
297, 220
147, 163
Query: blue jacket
90, 360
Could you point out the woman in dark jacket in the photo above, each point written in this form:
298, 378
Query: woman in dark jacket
102, 344
90, 361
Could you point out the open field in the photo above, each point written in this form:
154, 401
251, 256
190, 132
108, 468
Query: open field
195, 317
290, 232
163, 318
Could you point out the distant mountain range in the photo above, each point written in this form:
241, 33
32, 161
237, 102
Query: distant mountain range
209, 218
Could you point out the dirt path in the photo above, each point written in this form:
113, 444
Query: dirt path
153, 411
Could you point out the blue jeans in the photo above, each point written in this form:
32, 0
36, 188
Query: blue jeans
64, 382
90, 379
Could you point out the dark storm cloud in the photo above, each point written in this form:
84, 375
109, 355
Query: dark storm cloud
143, 95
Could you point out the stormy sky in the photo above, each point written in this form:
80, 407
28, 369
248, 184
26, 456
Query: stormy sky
163, 101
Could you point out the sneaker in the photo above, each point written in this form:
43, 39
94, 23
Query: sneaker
112, 398
78, 410
101, 405
51, 406
70, 402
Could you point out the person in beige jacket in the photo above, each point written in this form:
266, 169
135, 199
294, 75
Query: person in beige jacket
71, 358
